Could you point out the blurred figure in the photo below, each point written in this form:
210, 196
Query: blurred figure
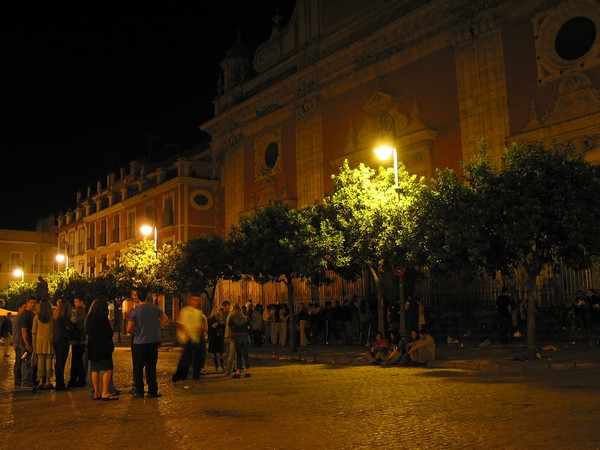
191, 331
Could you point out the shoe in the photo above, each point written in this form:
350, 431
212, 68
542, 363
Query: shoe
247, 375
61, 388
154, 395
236, 375
109, 398
96, 398
136, 395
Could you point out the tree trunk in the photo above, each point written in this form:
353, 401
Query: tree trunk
380, 309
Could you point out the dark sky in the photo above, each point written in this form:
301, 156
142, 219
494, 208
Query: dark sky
88, 86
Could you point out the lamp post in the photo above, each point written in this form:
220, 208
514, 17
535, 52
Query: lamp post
147, 230
384, 152
60, 257
20, 272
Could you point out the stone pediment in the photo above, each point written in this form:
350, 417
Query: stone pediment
385, 124
576, 98
270, 192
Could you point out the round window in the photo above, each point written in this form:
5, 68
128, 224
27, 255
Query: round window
271, 154
575, 38
201, 199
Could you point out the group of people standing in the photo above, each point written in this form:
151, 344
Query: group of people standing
226, 332
43, 335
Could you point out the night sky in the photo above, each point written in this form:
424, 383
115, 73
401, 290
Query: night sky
90, 86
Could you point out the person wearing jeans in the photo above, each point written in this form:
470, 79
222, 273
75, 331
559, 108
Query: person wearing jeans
144, 324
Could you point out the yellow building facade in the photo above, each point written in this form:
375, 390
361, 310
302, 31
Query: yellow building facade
31, 253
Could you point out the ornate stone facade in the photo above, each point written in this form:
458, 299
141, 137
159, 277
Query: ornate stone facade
432, 78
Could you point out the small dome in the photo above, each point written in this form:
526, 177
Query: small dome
239, 49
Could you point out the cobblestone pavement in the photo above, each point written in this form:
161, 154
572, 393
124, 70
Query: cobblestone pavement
306, 404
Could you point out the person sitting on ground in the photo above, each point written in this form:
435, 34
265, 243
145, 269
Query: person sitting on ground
396, 348
379, 349
406, 345
423, 350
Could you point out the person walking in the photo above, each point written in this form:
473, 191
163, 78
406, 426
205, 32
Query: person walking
191, 331
144, 325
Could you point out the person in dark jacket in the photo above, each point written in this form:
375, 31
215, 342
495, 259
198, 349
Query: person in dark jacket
61, 329
100, 348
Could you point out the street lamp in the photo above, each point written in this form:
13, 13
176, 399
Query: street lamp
20, 272
60, 257
384, 152
147, 231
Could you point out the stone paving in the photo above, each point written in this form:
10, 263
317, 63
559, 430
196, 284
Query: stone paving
327, 397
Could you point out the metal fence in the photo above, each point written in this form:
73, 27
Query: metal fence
440, 294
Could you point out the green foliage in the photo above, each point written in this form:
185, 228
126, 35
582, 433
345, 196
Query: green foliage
201, 263
138, 266
278, 243
17, 292
536, 209
366, 219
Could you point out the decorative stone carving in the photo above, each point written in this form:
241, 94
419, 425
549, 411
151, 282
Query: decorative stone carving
576, 97
384, 124
270, 192
465, 9
267, 155
549, 27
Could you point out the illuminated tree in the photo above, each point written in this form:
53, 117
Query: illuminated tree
277, 244
366, 222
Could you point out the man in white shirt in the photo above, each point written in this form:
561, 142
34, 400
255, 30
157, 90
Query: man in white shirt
192, 328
